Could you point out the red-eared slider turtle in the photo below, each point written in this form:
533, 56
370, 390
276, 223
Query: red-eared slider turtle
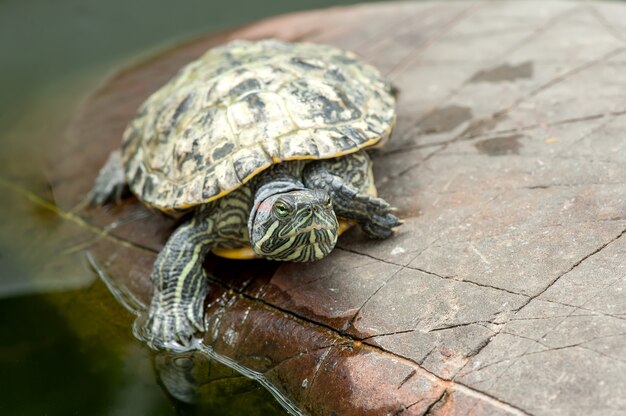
262, 143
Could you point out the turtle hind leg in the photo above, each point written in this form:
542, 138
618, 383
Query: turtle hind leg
110, 185
180, 287
374, 215
393, 89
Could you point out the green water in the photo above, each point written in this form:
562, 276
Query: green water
66, 346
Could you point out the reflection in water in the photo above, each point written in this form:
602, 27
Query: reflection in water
204, 386
73, 352
183, 374
202, 381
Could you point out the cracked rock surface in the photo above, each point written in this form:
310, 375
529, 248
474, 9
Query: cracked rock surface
502, 294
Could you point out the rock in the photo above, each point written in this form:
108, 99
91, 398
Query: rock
503, 293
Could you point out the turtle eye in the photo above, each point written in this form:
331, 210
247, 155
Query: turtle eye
328, 202
281, 209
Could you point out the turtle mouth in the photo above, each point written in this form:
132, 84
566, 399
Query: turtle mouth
314, 250
310, 243
313, 227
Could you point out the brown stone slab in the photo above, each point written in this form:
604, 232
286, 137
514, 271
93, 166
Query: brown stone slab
502, 293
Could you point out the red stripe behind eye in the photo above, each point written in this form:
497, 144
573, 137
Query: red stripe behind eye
264, 206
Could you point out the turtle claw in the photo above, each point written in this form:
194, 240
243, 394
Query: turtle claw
376, 231
381, 226
378, 219
168, 330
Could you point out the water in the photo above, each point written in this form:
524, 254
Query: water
66, 346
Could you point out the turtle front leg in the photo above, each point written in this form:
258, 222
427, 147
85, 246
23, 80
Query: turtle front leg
110, 185
373, 214
180, 286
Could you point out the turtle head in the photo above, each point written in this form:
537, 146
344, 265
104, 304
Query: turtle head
298, 225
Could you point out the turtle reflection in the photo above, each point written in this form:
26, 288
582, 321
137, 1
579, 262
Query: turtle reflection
201, 385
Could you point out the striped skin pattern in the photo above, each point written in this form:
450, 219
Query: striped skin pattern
180, 287
296, 226
305, 231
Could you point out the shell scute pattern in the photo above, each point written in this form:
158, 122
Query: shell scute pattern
314, 103
244, 106
259, 117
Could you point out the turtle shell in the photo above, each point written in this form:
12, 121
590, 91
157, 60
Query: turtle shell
244, 106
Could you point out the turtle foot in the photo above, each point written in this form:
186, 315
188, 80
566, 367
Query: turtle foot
381, 226
376, 218
170, 329
110, 185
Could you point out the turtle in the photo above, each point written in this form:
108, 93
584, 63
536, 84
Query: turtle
258, 147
